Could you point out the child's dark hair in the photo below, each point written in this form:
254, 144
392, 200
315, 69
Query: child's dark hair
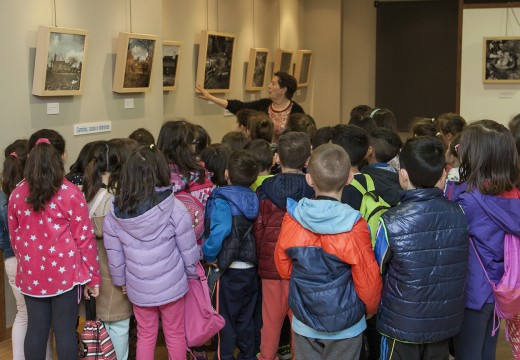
175, 141
294, 149
81, 162
450, 123
236, 140
97, 165
488, 157
423, 158
365, 122
145, 169
323, 136
360, 110
329, 167
243, 117
261, 126
44, 170
261, 149
453, 145
142, 136
287, 81
353, 139
14, 165
423, 127
386, 144
514, 127
384, 118
301, 123
202, 139
242, 168
118, 152
216, 159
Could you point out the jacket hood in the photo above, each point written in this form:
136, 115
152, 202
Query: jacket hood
386, 182
283, 186
243, 198
150, 225
323, 216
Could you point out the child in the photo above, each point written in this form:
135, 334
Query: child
324, 248
489, 170
202, 139
384, 118
301, 123
151, 248
236, 140
264, 155
449, 125
230, 249
54, 245
422, 251
142, 136
75, 174
215, 158
294, 149
12, 173
112, 306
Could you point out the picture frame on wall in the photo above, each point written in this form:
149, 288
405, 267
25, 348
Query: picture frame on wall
501, 60
283, 61
256, 69
59, 66
303, 67
215, 65
171, 51
134, 62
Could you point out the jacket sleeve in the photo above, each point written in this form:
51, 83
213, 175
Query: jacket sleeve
115, 254
365, 272
282, 261
260, 105
186, 242
82, 232
220, 228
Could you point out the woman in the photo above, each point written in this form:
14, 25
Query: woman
278, 106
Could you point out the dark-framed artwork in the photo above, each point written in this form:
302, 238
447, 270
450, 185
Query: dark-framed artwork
256, 69
283, 61
59, 66
214, 70
134, 62
171, 51
302, 70
501, 60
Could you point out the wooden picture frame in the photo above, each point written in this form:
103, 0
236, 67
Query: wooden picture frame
171, 51
215, 66
59, 66
501, 60
303, 67
134, 62
283, 61
256, 69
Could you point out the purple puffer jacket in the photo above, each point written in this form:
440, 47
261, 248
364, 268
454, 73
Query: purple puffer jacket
152, 253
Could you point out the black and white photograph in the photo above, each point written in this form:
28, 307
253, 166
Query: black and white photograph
215, 61
283, 61
63, 52
170, 62
256, 68
303, 67
501, 60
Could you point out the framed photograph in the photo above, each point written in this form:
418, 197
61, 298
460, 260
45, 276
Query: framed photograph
134, 62
60, 61
215, 61
302, 70
501, 60
283, 61
170, 62
256, 69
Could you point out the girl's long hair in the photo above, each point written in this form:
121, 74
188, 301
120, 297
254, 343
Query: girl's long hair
145, 169
97, 165
14, 165
118, 152
44, 169
176, 143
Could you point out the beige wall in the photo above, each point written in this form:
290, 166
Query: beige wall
485, 101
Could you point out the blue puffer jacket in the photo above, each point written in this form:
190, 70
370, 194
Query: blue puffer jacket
424, 287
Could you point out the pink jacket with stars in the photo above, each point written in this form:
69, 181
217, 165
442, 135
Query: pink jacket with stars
55, 247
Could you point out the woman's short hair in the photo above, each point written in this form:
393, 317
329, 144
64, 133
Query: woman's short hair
287, 81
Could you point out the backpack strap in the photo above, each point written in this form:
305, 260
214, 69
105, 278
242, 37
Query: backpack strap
97, 200
360, 188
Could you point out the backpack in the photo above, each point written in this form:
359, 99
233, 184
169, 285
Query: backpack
196, 210
372, 205
95, 341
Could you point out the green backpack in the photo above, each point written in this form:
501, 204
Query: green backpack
372, 205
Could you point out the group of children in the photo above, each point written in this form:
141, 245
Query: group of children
282, 236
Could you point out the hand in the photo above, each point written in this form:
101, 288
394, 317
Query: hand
123, 288
88, 292
204, 94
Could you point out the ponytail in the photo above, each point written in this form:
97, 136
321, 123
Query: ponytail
14, 164
97, 165
44, 169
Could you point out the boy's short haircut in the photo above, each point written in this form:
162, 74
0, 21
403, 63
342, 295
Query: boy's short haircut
242, 168
353, 139
236, 140
294, 149
386, 144
243, 117
301, 123
323, 136
261, 149
329, 167
423, 158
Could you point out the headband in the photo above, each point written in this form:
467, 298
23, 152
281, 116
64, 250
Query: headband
14, 154
152, 146
43, 141
374, 112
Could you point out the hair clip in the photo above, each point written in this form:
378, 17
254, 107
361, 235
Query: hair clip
374, 112
43, 141
14, 154
152, 146
456, 147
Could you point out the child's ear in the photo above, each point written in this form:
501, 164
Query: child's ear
404, 179
307, 162
309, 180
370, 153
226, 175
276, 158
350, 177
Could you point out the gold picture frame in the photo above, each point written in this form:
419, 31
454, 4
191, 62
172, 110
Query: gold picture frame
501, 60
256, 69
171, 52
303, 67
